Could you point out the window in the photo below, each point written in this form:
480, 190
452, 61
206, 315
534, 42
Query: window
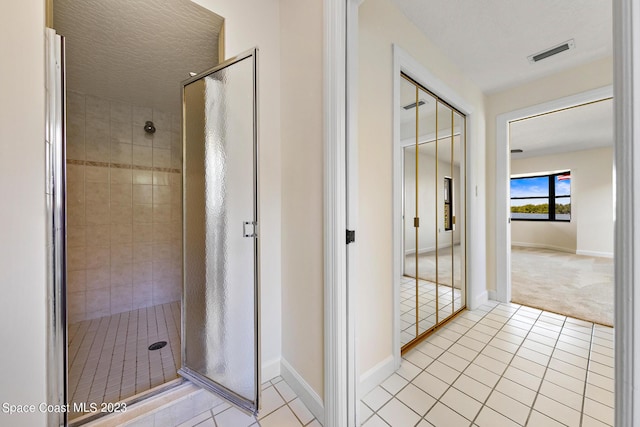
541, 197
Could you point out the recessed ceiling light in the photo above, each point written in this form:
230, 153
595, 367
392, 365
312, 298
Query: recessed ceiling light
192, 74
569, 44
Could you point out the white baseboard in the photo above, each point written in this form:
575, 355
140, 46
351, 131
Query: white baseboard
429, 249
543, 246
595, 253
305, 392
374, 376
420, 251
480, 299
492, 295
270, 369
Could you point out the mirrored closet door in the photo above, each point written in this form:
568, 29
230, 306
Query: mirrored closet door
433, 286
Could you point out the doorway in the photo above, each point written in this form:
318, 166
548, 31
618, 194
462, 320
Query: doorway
433, 286
561, 202
503, 155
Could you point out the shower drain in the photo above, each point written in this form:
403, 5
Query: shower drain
157, 345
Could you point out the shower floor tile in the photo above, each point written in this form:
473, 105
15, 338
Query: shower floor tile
109, 359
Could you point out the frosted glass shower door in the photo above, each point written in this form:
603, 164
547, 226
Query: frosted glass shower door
220, 331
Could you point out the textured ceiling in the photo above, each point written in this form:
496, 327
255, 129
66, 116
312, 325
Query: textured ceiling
138, 51
489, 40
579, 128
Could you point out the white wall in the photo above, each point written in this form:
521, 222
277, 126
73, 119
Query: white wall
569, 82
382, 25
22, 244
251, 23
302, 189
590, 231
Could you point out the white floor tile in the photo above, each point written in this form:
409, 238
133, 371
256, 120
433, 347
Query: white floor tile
463, 352
365, 411
599, 411
508, 407
587, 421
418, 358
534, 356
490, 418
285, 391
394, 383
461, 403
503, 345
432, 385
483, 375
599, 368
416, 399
490, 364
600, 381
408, 370
566, 381
557, 411
283, 417
301, 411
523, 378
376, 398
443, 372
473, 388
395, 413
375, 421
452, 360
519, 392
442, 415
233, 417
516, 350
567, 368
271, 400
600, 395
536, 419
562, 395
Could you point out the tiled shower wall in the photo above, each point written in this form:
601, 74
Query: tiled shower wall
124, 212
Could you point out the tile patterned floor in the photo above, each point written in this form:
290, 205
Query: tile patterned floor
501, 365
109, 359
426, 306
280, 408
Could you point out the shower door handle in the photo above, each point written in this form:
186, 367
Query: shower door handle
252, 230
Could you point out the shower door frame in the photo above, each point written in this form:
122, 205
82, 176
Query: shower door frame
55, 191
185, 371
55, 194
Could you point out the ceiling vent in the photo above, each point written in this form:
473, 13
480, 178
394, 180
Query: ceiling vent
570, 44
413, 105
516, 151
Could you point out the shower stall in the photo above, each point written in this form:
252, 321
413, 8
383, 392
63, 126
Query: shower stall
157, 279
124, 246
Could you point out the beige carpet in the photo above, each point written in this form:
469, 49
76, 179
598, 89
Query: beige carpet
573, 285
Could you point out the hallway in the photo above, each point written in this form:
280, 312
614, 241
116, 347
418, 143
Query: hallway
501, 365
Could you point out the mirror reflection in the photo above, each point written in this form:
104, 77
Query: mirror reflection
432, 136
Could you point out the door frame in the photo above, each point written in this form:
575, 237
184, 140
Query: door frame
476, 293
503, 173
